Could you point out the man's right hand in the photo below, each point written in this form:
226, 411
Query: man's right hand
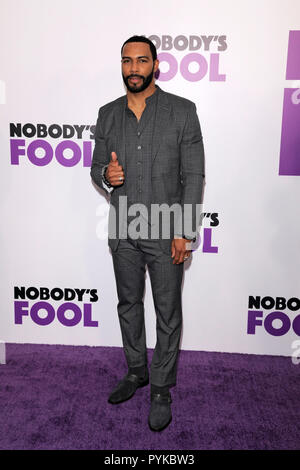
114, 171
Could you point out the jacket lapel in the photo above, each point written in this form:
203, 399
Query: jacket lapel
119, 115
161, 122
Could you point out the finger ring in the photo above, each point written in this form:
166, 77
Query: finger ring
185, 258
120, 178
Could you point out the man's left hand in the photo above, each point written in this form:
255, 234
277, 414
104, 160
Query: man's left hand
180, 250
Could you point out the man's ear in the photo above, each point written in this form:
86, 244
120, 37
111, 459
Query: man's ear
156, 65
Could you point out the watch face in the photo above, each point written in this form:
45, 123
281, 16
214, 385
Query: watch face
189, 238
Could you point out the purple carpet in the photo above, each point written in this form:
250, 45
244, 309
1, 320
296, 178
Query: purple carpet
55, 397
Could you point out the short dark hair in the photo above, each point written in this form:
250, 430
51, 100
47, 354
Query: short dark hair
142, 39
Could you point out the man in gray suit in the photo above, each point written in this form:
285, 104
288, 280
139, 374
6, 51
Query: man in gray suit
149, 156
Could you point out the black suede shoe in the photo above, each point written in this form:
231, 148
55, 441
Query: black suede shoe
127, 387
160, 414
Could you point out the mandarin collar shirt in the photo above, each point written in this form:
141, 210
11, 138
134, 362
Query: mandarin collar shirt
138, 148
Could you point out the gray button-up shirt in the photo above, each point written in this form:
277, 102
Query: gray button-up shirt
138, 149
139, 135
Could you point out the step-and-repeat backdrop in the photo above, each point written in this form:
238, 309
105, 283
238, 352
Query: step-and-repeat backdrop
239, 62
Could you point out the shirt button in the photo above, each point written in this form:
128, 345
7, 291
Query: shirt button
139, 147
139, 133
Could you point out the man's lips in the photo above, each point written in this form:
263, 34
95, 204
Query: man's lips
134, 79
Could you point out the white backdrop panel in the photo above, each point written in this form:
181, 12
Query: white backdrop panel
60, 61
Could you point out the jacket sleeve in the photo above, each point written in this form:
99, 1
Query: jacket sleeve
100, 157
192, 173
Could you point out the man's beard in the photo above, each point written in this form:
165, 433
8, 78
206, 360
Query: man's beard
137, 89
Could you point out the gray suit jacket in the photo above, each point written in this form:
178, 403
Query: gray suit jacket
177, 154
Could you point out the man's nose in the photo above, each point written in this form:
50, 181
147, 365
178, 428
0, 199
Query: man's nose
134, 66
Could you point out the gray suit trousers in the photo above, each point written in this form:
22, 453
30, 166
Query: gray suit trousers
129, 261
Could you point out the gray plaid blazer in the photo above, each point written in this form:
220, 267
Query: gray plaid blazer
177, 174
